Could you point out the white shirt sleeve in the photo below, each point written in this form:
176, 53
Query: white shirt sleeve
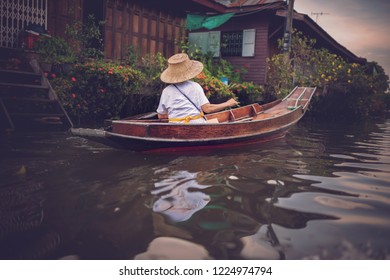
201, 96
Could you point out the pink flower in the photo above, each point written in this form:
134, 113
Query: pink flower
53, 75
74, 95
110, 72
73, 79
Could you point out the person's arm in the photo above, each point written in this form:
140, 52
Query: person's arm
162, 116
212, 108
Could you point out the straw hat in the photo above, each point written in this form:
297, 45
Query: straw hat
180, 69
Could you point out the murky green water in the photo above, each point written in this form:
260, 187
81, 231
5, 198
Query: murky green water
321, 192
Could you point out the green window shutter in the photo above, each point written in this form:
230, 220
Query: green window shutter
215, 42
248, 42
199, 40
206, 41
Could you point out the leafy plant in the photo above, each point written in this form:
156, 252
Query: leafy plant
248, 92
352, 91
215, 90
86, 38
132, 57
97, 90
52, 49
152, 66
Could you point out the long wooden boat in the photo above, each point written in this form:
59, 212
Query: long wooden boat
241, 125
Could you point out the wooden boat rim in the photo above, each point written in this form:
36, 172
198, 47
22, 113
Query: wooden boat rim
157, 123
179, 140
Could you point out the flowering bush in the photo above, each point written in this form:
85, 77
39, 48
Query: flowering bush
247, 92
215, 90
97, 90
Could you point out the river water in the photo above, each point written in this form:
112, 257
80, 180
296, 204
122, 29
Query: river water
322, 192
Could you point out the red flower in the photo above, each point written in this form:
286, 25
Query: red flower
74, 95
110, 72
53, 75
73, 79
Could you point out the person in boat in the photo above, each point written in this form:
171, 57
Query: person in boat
184, 101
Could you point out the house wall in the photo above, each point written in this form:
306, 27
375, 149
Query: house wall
256, 66
62, 13
147, 25
144, 26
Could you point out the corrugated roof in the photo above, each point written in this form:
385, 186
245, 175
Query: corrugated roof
244, 3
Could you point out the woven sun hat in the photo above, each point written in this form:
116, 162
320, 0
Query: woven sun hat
181, 68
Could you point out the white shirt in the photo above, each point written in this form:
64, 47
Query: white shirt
176, 105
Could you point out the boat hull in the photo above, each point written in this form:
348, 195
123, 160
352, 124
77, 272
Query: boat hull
224, 135
245, 125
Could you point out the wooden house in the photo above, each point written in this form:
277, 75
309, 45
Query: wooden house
251, 35
151, 26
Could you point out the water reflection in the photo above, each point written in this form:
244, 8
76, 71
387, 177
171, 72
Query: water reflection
178, 198
171, 248
322, 192
224, 209
205, 214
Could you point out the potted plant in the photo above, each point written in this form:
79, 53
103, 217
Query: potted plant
67, 61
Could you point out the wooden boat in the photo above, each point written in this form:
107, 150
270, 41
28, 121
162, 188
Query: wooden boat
241, 125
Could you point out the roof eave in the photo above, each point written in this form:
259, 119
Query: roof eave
212, 5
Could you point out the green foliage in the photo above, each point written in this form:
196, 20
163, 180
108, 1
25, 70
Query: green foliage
97, 90
132, 57
215, 90
52, 49
353, 90
152, 66
86, 38
248, 92
279, 77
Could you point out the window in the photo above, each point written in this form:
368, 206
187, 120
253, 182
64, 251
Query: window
206, 41
226, 43
231, 43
